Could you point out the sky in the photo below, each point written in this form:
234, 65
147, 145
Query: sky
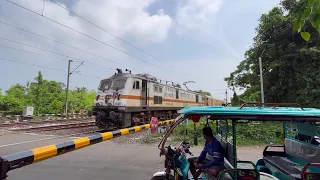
174, 40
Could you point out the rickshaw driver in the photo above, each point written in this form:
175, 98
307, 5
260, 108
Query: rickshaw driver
211, 158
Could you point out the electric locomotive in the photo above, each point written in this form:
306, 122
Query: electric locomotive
127, 99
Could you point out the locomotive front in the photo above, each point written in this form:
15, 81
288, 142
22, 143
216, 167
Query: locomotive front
109, 108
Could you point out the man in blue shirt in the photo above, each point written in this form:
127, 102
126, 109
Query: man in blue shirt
211, 158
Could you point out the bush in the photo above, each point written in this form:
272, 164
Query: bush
247, 134
257, 134
179, 133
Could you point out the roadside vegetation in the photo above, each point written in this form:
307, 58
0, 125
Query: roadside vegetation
290, 63
247, 134
46, 96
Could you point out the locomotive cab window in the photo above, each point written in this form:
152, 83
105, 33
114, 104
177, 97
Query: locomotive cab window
136, 85
105, 85
118, 83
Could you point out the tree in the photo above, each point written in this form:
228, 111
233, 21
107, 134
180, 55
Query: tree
235, 100
1, 100
290, 64
39, 83
204, 93
47, 96
15, 99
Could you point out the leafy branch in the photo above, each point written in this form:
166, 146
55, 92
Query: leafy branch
309, 11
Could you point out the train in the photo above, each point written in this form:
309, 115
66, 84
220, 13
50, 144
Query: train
125, 99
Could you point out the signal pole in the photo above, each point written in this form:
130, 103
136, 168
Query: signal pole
226, 96
67, 90
261, 77
261, 80
226, 93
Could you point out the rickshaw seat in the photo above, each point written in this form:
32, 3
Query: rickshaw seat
293, 150
228, 152
285, 165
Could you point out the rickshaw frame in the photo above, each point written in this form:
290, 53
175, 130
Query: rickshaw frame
236, 114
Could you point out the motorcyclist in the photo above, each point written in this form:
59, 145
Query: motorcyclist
211, 158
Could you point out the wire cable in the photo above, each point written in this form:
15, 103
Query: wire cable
33, 52
57, 41
86, 35
47, 55
80, 60
67, 9
44, 67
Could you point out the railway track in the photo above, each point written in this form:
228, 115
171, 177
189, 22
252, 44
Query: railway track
57, 127
41, 122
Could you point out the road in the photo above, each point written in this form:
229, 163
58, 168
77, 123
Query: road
12, 143
106, 160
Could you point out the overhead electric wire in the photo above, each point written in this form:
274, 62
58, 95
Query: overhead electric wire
44, 67
33, 52
50, 56
86, 35
52, 52
106, 31
36, 34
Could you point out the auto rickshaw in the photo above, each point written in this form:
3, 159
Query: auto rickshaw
226, 118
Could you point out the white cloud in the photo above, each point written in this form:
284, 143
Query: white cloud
197, 14
197, 18
126, 19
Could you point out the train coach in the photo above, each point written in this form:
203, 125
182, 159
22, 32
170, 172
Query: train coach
127, 99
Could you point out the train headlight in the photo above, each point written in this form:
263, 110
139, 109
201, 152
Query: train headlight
112, 114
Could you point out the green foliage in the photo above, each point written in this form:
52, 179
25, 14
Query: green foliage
205, 93
305, 12
305, 35
14, 99
179, 133
290, 64
258, 134
247, 134
235, 100
47, 96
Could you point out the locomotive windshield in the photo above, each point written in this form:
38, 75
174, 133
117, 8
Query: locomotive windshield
118, 83
105, 85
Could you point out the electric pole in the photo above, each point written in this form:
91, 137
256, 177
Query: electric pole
68, 77
226, 93
67, 91
261, 80
226, 96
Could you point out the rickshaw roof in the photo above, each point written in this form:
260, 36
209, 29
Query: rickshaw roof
256, 113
